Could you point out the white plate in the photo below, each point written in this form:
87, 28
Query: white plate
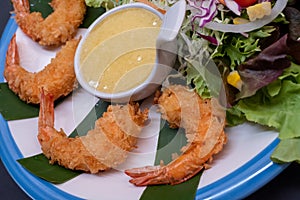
240, 169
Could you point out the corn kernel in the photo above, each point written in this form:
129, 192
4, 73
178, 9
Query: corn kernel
259, 10
234, 79
239, 20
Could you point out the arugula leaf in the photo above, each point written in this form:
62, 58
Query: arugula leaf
237, 48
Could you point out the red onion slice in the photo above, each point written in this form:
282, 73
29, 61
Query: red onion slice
233, 6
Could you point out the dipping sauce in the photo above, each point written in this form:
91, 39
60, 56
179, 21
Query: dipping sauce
119, 53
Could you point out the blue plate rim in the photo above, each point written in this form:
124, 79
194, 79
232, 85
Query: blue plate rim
255, 173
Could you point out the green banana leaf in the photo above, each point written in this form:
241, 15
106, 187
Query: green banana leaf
39, 165
12, 108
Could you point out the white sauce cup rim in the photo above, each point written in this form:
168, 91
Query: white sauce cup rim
119, 96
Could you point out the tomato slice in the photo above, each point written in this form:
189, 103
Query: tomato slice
246, 3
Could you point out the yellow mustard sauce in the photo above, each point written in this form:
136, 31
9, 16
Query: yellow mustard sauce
119, 52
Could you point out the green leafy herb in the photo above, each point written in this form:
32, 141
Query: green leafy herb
237, 48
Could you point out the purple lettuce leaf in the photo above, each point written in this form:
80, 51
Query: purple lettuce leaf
270, 63
264, 68
293, 42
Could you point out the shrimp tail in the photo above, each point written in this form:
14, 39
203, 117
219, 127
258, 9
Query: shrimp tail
21, 6
46, 114
137, 172
149, 175
12, 54
57, 78
206, 137
23, 18
102, 148
12, 65
173, 173
46, 119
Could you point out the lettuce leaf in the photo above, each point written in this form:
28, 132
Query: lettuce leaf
269, 64
277, 105
281, 112
293, 15
264, 68
287, 150
234, 116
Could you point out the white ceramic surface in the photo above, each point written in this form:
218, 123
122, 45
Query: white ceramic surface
241, 168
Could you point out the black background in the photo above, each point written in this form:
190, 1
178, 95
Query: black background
285, 186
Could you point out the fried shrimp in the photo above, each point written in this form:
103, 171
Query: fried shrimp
203, 121
57, 78
59, 27
103, 147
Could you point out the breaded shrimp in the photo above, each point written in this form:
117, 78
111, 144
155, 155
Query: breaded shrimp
59, 27
57, 78
203, 121
104, 147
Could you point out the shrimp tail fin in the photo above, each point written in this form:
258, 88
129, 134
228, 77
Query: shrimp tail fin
150, 175
12, 55
156, 176
46, 114
21, 6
